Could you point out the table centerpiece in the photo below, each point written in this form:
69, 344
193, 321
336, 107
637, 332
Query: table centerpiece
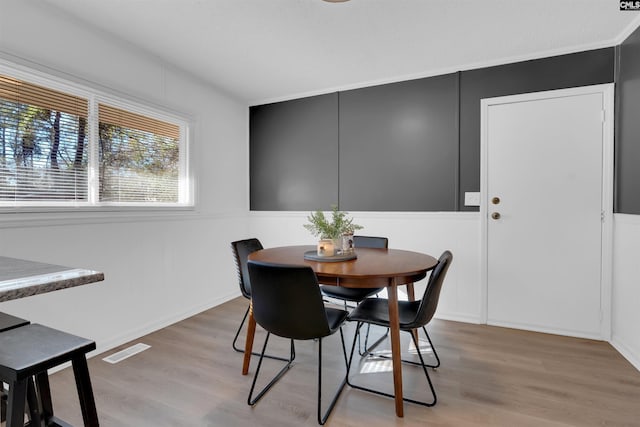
335, 234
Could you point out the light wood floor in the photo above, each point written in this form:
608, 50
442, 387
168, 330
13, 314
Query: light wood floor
489, 377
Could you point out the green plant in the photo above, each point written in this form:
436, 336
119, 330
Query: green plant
320, 226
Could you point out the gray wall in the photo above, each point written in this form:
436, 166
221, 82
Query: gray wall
399, 146
627, 171
294, 154
407, 146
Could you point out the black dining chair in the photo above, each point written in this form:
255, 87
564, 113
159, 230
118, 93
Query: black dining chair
241, 250
287, 303
356, 295
412, 314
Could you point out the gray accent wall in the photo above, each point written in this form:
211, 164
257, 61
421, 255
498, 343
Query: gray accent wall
627, 145
412, 145
399, 146
293, 154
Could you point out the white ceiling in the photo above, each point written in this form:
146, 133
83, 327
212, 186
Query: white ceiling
266, 50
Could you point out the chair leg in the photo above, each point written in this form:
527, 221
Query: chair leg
369, 349
322, 418
241, 350
252, 401
406, 399
433, 349
426, 373
410, 362
353, 347
235, 339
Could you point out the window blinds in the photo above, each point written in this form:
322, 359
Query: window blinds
139, 157
50, 146
38, 96
126, 119
43, 137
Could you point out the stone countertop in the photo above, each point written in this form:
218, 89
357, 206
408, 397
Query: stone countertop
21, 278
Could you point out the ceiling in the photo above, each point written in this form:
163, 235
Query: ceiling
267, 50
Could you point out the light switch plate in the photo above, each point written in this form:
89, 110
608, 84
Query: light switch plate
472, 198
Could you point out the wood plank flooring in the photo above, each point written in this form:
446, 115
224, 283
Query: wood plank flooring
489, 376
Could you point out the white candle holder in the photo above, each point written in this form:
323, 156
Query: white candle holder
326, 247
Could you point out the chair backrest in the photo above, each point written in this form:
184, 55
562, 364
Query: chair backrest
370, 242
241, 250
287, 301
429, 301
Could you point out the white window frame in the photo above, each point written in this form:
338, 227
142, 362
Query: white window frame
94, 97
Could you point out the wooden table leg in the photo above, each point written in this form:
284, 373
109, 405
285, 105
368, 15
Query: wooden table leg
248, 345
396, 354
411, 295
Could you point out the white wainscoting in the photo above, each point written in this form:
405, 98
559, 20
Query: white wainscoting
625, 320
429, 232
156, 273
460, 232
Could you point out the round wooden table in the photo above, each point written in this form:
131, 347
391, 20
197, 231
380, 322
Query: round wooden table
373, 268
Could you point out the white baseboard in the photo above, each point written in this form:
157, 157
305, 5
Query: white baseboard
626, 352
458, 317
554, 331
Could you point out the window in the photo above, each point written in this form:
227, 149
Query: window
75, 147
139, 157
42, 140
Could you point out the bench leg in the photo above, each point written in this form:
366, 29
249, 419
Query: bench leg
3, 404
15, 404
85, 391
34, 404
42, 382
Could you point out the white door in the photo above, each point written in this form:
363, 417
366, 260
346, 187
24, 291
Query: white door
544, 210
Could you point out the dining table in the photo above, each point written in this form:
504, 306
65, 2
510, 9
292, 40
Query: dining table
371, 268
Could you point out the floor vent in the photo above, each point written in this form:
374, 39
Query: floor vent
127, 352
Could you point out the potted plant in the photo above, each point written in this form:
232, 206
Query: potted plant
332, 229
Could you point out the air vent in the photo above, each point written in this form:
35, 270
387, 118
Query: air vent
127, 352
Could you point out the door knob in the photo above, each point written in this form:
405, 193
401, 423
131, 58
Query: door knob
495, 215
495, 200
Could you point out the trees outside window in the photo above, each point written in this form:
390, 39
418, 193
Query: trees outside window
50, 145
